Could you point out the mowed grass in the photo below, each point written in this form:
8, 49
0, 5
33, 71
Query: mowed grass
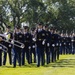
64, 66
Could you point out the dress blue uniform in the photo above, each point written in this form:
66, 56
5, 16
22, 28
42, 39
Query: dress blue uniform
9, 46
18, 36
40, 42
3, 49
33, 48
27, 48
57, 45
63, 45
28, 43
68, 45
73, 50
0, 54
54, 46
48, 43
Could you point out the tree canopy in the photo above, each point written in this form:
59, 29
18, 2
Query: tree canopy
57, 13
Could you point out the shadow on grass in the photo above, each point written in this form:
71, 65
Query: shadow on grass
63, 63
60, 63
33, 65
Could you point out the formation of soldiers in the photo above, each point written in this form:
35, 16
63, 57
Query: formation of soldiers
41, 45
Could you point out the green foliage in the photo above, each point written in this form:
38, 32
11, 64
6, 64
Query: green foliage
59, 13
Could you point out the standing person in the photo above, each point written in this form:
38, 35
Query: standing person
0, 49
68, 44
8, 35
28, 44
63, 44
18, 38
54, 44
3, 47
40, 42
73, 38
0, 56
33, 48
48, 42
72, 43
57, 45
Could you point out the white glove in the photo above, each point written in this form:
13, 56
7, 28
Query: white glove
0, 47
57, 44
33, 46
43, 43
9, 45
29, 47
48, 44
64, 43
53, 45
34, 39
69, 44
60, 44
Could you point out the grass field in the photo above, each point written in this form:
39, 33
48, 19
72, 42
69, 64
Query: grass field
64, 66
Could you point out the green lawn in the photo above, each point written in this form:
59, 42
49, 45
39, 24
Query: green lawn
65, 66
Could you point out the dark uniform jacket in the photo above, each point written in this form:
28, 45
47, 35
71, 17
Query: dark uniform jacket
41, 38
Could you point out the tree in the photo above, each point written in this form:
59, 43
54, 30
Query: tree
2, 14
59, 13
16, 7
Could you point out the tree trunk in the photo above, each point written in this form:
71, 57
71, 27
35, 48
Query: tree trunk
14, 21
18, 23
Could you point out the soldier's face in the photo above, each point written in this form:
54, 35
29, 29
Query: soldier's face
51, 31
17, 30
40, 27
25, 30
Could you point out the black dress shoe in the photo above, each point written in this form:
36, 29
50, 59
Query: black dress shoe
14, 66
38, 65
0, 65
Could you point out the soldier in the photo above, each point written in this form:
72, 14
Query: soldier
33, 48
54, 45
68, 44
0, 51
57, 44
28, 44
63, 44
48, 42
73, 43
3, 48
40, 42
0, 56
8, 35
18, 39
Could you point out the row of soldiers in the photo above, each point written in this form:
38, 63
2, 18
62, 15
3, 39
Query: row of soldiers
41, 42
